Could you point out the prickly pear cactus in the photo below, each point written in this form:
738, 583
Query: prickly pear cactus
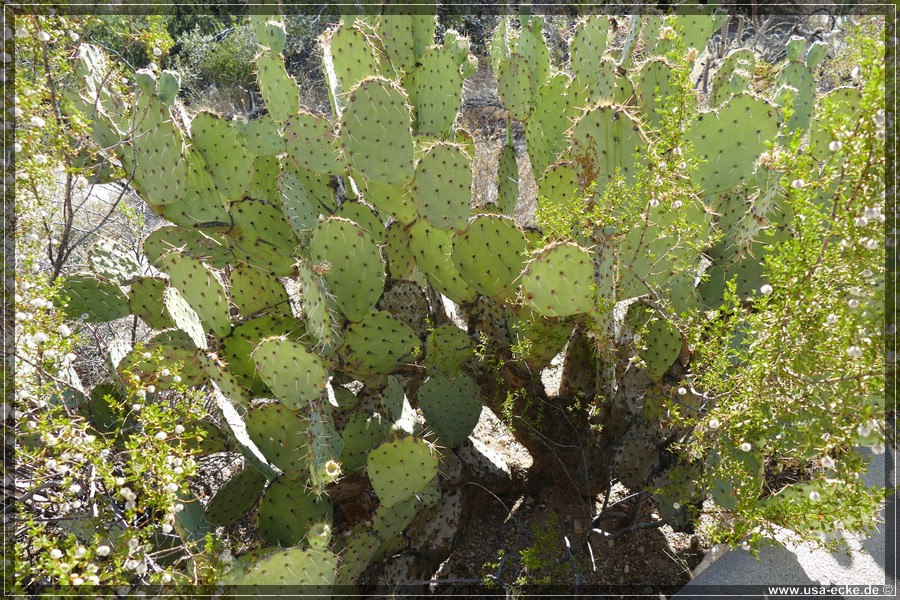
308, 251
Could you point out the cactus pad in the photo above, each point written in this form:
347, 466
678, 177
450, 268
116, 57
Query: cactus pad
287, 510
207, 246
401, 468
184, 317
280, 434
279, 90
377, 344
452, 406
443, 184
605, 139
557, 282
354, 266
93, 299
292, 571
236, 497
447, 349
109, 260
254, 291
433, 250
225, 154
362, 433
730, 140
500, 239
202, 290
294, 374
145, 301
375, 132
311, 142
262, 236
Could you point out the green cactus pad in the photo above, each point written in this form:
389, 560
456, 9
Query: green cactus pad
654, 84
184, 317
559, 186
204, 438
228, 383
160, 163
349, 58
433, 250
264, 185
728, 152
176, 347
112, 262
500, 239
398, 40
447, 349
660, 345
280, 434
545, 130
653, 250
541, 338
207, 246
507, 180
514, 86
167, 87
202, 289
294, 374
375, 132
299, 204
325, 446
843, 101
588, 45
400, 259
94, 299
377, 344
694, 31
320, 322
442, 189
237, 347
145, 301
236, 497
225, 154
254, 290
396, 406
796, 86
390, 522
733, 77
452, 406
435, 91
557, 282
293, 571
393, 200
201, 202
262, 236
401, 468
604, 140
365, 216
362, 432
355, 268
269, 32
279, 90
287, 510
312, 143
262, 136
356, 555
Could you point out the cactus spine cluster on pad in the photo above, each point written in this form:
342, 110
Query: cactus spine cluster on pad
255, 205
